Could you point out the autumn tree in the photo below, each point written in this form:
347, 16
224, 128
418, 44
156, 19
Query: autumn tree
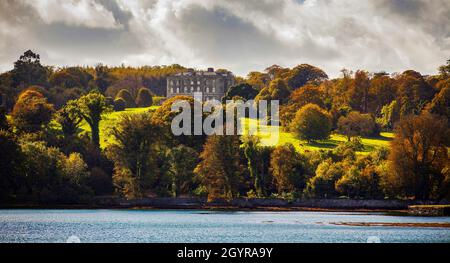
356, 124
31, 111
413, 93
103, 77
302, 74
243, 90
277, 90
133, 154
418, 155
220, 168
10, 164
183, 161
91, 108
441, 102
299, 98
4, 125
288, 172
311, 123
359, 91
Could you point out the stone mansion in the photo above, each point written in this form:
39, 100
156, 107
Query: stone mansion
211, 84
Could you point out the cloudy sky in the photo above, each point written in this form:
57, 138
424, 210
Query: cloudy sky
246, 35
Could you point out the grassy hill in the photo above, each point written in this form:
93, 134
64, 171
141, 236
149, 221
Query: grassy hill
267, 139
109, 121
265, 134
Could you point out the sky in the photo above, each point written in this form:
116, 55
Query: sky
242, 36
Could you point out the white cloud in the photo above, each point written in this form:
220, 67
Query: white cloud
391, 35
74, 13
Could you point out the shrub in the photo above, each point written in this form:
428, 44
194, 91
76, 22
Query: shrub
144, 98
119, 104
127, 97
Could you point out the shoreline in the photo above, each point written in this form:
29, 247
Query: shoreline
399, 207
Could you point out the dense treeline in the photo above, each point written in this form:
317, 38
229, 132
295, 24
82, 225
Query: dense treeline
45, 158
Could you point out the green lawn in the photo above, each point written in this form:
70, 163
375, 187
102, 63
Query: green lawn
268, 138
265, 133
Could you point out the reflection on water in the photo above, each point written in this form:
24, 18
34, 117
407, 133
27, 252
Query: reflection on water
213, 226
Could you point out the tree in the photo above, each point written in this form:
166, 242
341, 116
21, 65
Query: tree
10, 163
183, 161
52, 177
144, 98
299, 98
359, 92
356, 124
311, 123
419, 154
126, 96
288, 172
381, 92
253, 155
389, 116
277, 90
103, 77
444, 70
243, 90
69, 118
91, 107
133, 154
441, 102
413, 93
4, 125
322, 185
29, 71
31, 111
302, 74
164, 115
220, 168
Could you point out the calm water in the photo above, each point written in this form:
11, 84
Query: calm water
207, 226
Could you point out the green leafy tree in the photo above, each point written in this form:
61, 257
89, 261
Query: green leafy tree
322, 185
389, 116
91, 107
311, 123
253, 155
69, 118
